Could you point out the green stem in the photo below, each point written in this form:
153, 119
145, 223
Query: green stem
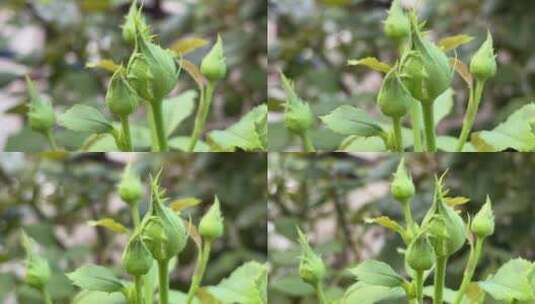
163, 282
420, 287
407, 213
475, 254
139, 289
157, 116
307, 142
398, 139
51, 140
202, 113
202, 261
46, 295
320, 293
429, 125
127, 139
135, 215
471, 112
440, 279
152, 126
416, 114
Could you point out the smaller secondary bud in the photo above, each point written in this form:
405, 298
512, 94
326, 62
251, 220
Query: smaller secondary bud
483, 224
311, 267
298, 117
420, 254
483, 64
402, 187
40, 114
134, 22
120, 97
397, 25
213, 66
37, 268
136, 259
130, 188
394, 99
211, 225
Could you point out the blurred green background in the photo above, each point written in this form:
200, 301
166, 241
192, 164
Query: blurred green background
53, 40
330, 195
53, 196
311, 41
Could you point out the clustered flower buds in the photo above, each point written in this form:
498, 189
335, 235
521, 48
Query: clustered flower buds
163, 231
402, 187
130, 188
397, 25
211, 225
311, 267
483, 64
213, 66
136, 259
483, 223
394, 99
41, 114
299, 117
120, 97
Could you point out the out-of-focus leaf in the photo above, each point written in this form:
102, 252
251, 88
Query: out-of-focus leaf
83, 118
105, 64
462, 69
292, 285
452, 42
181, 143
370, 294
183, 203
348, 120
456, 201
372, 63
94, 277
187, 45
178, 108
194, 72
110, 224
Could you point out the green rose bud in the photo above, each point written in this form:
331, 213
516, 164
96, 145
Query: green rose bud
311, 267
136, 259
120, 98
402, 187
483, 64
37, 268
130, 188
134, 24
394, 99
396, 25
213, 65
298, 117
483, 224
211, 225
163, 231
414, 76
41, 114
420, 256
152, 72
434, 62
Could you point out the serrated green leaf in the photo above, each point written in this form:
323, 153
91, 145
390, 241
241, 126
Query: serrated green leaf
247, 134
377, 273
348, 120
363, 144
514, 133
97, 278
110, 224
511, 282
246, 285
178, 108
372, 63
181, 143
370, 294
82, 118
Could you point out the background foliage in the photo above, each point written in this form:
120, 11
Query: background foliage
330, 195
311, 41
53, 196
75, 33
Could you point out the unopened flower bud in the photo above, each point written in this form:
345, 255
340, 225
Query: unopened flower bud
136, 259
135, 24
213, 66
298, 117
402, 187
483, 64
396, 25
311, 267
394, 99
211, 225
130, 188
121, 98
483, 223
420, 254
448, 228
40, 114
37, 268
